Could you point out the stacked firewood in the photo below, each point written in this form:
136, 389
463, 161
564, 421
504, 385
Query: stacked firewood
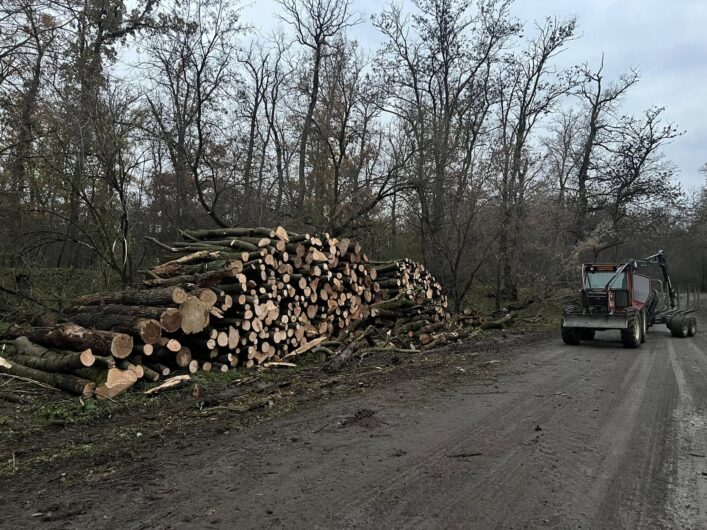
410, 304
230, 297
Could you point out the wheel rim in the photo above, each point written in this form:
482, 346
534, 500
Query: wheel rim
685, 328
637, 331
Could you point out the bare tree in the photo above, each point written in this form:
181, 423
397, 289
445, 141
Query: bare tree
258, 78
278, 76
191, 72
29, 33
316, 23
601, 101
529, 88
636, 173
562, 156
437, 70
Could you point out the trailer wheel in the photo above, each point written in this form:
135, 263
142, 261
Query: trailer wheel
570, 336
679, 327
587, 334
692, 327
631, 337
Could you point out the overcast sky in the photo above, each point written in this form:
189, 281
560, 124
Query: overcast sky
665, 39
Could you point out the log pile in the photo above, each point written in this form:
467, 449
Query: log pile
234, 297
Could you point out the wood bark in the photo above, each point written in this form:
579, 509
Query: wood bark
148, 297
146, 329
74, 337
45, 359
66, 382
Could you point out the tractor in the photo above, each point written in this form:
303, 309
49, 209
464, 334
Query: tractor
616, 296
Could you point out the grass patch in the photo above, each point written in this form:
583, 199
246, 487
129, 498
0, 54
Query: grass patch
47, 412
217, 380
17, 463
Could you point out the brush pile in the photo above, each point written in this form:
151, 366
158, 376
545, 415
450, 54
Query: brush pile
232, 297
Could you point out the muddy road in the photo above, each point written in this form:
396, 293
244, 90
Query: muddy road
593, 436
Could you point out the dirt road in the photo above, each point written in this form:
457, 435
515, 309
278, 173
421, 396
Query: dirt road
593, 436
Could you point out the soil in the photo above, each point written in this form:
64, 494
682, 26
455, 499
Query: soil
516, 431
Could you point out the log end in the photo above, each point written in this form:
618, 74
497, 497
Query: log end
87, 357
121, 346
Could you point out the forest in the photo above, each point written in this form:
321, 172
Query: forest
459, 142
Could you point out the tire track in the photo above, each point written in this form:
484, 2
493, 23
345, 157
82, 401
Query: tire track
504, 475
688, 502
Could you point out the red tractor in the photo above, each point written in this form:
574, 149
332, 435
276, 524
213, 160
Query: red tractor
616, 296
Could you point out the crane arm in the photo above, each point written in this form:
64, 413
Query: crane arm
659, 259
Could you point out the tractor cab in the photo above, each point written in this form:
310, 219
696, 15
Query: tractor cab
613, 288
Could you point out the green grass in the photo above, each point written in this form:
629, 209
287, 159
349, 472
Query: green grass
18, 463
51, 410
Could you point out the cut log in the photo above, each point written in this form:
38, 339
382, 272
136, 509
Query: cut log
149, 374
195, 315
205, 279
149, 297
109, 383
183, 357
74, 337
122, 309
193, 366
53, 360
117, 382
104, 362
207, 296
281, 234
172, 345
136, 368
187, 270
41, 358
147, 329
161, 369
66, 382
171, 319
168, 267
216, 233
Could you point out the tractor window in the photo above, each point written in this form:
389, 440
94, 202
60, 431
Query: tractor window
599, 279
641, 288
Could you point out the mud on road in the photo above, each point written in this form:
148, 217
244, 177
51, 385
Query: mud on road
519, 434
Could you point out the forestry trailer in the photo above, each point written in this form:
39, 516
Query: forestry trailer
616, 296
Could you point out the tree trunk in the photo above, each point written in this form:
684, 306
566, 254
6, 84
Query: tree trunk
313, 97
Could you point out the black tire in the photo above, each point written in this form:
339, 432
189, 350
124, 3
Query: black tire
587, 334
692, 327
570, 336
644, 327
679, 327
631, 337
